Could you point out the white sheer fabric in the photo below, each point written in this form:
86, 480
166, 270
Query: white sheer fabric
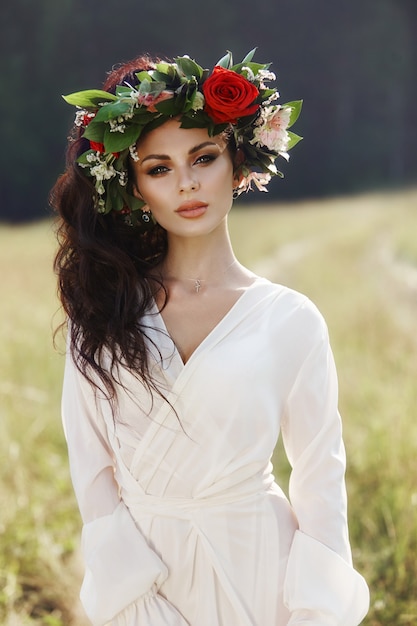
184, 523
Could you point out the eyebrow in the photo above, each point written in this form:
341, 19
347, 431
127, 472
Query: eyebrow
166, 157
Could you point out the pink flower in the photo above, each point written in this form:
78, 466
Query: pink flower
259, 179
280, 119
272, 131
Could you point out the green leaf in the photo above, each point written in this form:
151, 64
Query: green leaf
226, 61
112, 111
123, 92
116, 142
95, 132
89, 98
132, 202
166, 69
82, 159
195, 120
141, 76
255, 67
217, 129
266, 93
142, 115
153, 88
189, 67
294, 139
249, 56
114, 200
171, 106
161, 77
295, 106
119, 162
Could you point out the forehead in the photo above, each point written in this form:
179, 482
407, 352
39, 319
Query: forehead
170, 137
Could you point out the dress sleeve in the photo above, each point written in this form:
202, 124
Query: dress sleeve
321, 587
122, 573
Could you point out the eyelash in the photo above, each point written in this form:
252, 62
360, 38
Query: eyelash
204, 159
158, 170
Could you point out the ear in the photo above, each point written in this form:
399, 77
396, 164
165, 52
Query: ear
136, 192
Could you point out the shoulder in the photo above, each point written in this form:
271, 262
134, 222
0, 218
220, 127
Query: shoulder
292, 312
284, 299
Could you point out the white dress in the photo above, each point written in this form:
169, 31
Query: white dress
183, 521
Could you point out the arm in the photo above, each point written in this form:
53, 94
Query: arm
122, 574
321, 587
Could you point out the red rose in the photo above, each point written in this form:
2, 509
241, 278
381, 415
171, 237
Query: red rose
229, 96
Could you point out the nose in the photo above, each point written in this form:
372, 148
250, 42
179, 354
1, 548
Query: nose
188, 181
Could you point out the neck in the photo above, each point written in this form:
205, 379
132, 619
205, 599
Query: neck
200, 257
198, 264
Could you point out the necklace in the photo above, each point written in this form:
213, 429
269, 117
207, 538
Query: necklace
198, 282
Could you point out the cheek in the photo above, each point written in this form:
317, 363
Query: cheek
223, 175
147, 187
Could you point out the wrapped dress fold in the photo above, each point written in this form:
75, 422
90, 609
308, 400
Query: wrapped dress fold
184, 523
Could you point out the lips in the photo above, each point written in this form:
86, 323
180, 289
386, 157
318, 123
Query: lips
192, 208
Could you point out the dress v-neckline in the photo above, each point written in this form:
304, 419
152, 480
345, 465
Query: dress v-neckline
216, 328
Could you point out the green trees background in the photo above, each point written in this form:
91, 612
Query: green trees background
353, 62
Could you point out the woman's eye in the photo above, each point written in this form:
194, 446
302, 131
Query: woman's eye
206, 158
157, 170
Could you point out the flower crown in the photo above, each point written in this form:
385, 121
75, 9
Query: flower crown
232, 96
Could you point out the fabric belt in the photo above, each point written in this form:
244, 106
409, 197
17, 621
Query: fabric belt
192, 509
146, 504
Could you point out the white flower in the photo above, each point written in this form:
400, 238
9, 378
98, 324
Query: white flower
272, 97
198, 101
116, 126
102, 171
134, 93
81, 116
133, 152
264, 75
101, 206
123, 178
271, 130
249, 74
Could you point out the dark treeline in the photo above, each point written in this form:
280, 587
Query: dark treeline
353, 62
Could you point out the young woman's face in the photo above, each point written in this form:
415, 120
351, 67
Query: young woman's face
185, 177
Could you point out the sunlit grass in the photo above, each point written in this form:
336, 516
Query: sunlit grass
356, 259
38, 519
348, 256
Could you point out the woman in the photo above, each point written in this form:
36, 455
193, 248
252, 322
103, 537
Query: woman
183, 366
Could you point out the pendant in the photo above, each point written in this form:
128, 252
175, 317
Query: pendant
197, 285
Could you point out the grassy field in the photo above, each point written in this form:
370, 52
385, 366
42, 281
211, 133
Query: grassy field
356, 258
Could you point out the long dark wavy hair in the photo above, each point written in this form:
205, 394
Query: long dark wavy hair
102, 264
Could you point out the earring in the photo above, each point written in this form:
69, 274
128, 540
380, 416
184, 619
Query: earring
235, 193
146, 216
